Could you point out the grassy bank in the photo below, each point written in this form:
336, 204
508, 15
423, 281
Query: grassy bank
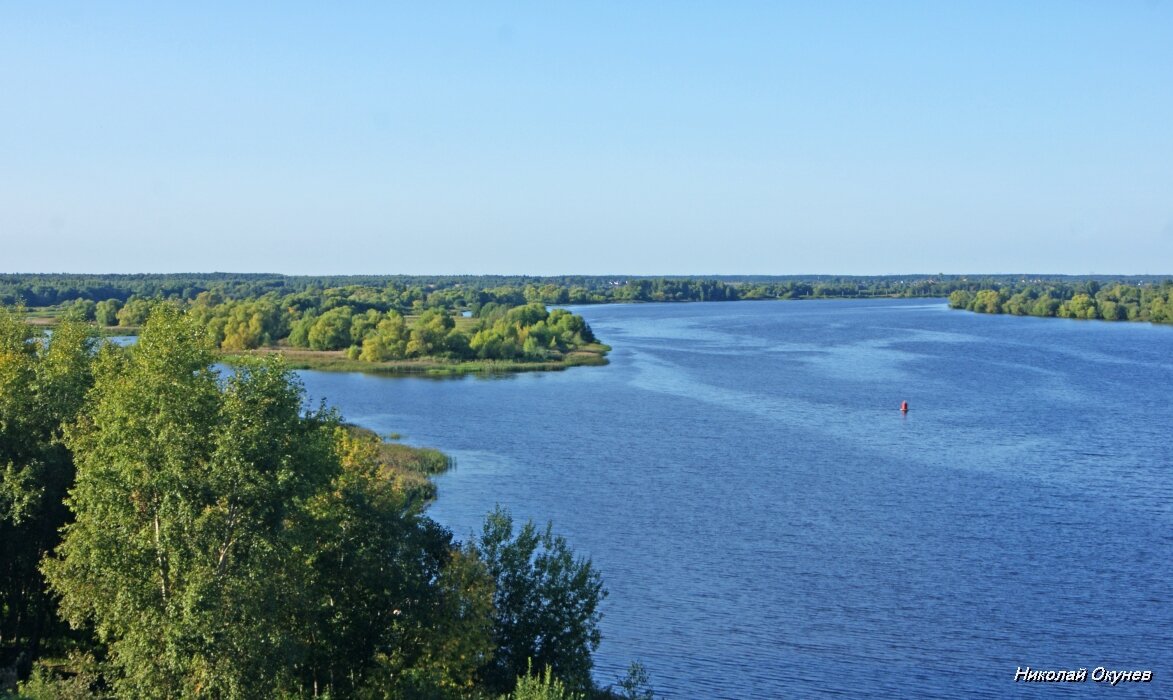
409, 468
337, 361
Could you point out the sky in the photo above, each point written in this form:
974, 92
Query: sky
587, 138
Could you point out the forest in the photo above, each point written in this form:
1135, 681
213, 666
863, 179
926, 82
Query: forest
1090, 299
406, 293
372, 325
397, 321
168, 529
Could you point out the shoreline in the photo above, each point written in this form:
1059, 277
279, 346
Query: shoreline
408, 468
592, 355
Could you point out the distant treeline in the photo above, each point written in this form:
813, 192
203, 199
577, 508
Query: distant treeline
408, 293
1088, 299
384, 318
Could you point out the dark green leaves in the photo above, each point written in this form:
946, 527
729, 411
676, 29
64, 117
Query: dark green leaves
546, 604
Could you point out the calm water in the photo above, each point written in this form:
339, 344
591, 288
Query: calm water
770, 525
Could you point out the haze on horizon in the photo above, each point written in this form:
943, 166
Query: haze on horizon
588, 138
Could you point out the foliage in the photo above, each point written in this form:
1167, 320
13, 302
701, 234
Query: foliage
186, 515
387, 340
331, 330
401, 610
412, 294
43, 382
546, 604
541, 686
228, 544
528, 332
636, 685
134, 312
1090, 300
220, 540
106, 312
78, 679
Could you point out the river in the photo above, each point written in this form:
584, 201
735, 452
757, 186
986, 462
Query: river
769, 524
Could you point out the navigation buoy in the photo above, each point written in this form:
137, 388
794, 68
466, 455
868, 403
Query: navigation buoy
904, 407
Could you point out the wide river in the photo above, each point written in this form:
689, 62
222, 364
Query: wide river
769, 524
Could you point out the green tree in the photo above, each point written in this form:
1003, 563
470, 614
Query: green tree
1018, 304
387, 342
987, 301
1045, 305
1112, 311
546, 604
363, 324
429, 332
396, 599
81, 309
106, 312
960, 299
331, 330
299, 332
43, 382
228, 544
184, 555
1079, 306
636, 685
135, 312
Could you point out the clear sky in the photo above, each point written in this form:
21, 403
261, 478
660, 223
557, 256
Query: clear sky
592, 137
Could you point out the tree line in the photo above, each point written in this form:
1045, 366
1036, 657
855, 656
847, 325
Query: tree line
368, 326
170, 531
414, 293
1091, 299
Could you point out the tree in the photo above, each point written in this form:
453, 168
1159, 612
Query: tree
387, 342
299, 332
135, 312
331, 330
106, 312
396, 610
636, 685
1046, 305
81, 309
960, 299
228, 544
987, 301
362, 324
184, 552
1079, 306
42, 385
429, 333
546, 604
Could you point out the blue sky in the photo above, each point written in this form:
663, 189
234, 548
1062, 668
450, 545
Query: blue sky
602, 137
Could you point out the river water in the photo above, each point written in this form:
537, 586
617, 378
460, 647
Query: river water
769, 524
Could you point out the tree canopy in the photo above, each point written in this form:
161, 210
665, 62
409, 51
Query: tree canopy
1087, 300
217, 539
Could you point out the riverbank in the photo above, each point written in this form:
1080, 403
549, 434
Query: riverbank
593, 354
409, 469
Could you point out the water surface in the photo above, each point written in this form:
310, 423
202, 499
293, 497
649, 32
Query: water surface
770, 525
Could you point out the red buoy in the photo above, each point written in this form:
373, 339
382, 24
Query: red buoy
904, 407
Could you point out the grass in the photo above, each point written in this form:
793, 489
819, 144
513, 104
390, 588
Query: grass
409, 468
48, 316
337, 361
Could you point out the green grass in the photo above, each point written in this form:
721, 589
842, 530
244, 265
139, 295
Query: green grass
409, 468
51, 316
337, 361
